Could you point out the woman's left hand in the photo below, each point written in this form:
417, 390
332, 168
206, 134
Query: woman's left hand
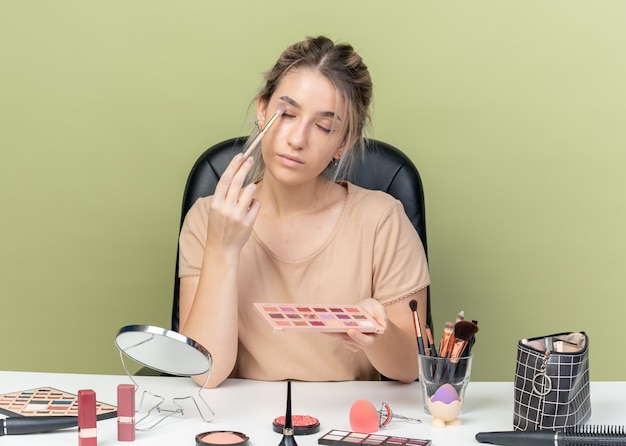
355, 340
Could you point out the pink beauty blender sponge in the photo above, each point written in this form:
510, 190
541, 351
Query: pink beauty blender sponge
364, 417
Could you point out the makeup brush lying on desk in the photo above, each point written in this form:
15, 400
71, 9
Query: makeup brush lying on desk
573, 436
35, 425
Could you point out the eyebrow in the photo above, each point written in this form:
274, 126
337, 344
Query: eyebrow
325, 114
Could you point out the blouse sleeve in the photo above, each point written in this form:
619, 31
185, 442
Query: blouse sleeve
192, 239
400, 264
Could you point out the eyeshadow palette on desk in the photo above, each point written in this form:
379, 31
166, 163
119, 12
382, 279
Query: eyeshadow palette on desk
316, 317
48, 401
345, 438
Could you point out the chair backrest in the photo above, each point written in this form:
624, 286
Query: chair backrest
384, 167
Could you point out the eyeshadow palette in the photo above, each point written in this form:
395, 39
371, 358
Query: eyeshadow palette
316, 317
344, 438
47, 401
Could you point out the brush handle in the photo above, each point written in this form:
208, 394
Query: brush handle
258, 138
518, 438
420, 346
433, 351
34, 425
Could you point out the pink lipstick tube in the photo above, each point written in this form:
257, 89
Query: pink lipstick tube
87, 433
126, 412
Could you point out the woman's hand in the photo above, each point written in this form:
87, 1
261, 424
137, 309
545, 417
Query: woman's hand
355, 340
233, 208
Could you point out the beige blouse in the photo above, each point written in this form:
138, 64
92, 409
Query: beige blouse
373, 251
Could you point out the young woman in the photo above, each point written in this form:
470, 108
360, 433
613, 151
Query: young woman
294, 233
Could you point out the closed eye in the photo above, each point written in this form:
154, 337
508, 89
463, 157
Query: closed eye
324, 129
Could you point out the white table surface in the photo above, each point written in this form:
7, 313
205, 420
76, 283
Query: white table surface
250, 407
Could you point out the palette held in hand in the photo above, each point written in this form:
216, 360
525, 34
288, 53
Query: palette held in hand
321, 318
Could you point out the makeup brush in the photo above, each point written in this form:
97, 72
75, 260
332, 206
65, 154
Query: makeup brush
446, 339
431, 342
34, 425
470, 343
257, 140
573, 436
463, 332
460, 316
418, 329
288, 438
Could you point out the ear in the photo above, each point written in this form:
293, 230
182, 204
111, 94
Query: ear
261, 110
343, 148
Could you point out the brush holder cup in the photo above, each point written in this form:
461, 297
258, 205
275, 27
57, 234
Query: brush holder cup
443, 382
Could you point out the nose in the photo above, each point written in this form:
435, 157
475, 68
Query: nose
297, 135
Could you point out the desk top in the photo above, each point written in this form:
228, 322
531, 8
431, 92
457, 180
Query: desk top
250, 407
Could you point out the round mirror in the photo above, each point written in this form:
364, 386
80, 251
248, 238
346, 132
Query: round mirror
163, 350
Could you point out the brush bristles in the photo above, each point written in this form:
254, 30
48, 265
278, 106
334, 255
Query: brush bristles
465, 330
593, 435
596, 430
413, 305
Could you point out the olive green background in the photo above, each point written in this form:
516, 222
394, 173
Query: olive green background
514, 112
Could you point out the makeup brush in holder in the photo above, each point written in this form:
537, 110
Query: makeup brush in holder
288, 437
464, 331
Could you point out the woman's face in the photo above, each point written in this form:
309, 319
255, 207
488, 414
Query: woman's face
309, 135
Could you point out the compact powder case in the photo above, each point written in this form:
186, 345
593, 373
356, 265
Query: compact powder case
221, 438
302, 425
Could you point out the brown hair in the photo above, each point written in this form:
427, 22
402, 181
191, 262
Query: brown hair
345, 69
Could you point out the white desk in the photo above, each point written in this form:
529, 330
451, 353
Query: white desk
251, 406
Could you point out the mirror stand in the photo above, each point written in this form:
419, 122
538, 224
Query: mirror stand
170, 353
146, 422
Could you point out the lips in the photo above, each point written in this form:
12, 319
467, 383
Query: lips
290, 160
